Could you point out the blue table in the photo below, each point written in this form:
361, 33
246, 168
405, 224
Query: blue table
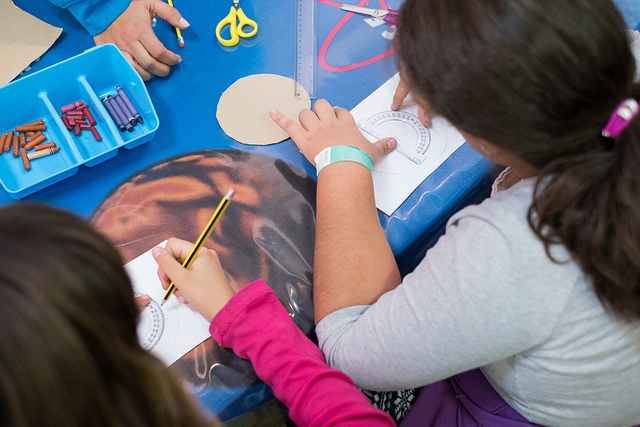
186, 102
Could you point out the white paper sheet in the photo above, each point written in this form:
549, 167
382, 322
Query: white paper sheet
168, 331
395, 177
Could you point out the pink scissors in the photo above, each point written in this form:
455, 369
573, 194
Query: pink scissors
389, 16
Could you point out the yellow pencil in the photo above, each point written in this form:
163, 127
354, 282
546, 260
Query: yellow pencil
205, 234
178, 33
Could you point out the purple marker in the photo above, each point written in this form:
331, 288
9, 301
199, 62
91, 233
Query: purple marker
112, 113
127, 101
120, 113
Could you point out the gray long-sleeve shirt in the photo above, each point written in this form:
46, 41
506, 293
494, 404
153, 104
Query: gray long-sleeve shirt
486, 295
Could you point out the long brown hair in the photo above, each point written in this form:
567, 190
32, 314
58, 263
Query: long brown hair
69, 354
540, 78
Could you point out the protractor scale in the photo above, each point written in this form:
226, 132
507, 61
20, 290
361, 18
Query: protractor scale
413, 138
150, 325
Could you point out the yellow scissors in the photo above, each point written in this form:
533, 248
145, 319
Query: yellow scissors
235, 28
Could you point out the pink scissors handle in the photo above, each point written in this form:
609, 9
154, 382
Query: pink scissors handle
391, 17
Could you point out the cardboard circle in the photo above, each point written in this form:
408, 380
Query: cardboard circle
243, 109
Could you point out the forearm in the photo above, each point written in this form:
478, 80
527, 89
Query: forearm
353, 263
257, 327
94, 15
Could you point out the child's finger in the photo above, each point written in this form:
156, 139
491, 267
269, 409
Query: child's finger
142, 301
164, 279
343, 114
424, 118
307, 119
294, 129
400, 94
324, 110
169, 265
384, 147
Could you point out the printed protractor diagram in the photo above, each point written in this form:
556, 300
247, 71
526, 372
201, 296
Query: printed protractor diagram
413, 138
150, 325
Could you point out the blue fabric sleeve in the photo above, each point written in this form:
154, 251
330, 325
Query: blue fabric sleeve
94, 15
630, 11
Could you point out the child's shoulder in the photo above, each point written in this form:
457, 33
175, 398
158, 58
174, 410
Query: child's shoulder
508, 205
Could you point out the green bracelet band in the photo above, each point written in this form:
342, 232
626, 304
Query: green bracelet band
341, 153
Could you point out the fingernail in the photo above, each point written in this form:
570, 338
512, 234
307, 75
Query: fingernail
181, 299
392, 143
394, 106
183, 22
273, 112
179, 59
145, 298
156, 252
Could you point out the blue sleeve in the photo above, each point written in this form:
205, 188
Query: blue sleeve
94, 15
630, 10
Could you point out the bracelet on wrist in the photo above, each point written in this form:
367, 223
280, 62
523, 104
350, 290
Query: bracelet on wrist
340, 153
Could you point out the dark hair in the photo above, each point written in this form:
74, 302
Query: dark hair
69, 353
540, 78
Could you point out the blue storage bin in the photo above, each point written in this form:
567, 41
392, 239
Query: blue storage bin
87, 77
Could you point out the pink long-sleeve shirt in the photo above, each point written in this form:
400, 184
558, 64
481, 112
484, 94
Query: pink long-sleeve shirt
257, 327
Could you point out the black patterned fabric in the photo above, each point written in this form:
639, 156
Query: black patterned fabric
394, 403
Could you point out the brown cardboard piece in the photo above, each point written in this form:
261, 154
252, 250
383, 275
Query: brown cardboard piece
243, 109
24, 39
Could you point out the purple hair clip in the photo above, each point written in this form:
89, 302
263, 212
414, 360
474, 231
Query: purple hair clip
621, 117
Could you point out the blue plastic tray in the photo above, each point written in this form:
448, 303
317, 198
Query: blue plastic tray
86, 77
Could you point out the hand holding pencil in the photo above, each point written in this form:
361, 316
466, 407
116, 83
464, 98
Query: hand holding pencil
194, 272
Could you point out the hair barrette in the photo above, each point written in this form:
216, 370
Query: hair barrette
621, 117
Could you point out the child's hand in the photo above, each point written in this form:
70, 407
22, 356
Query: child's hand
142, 301
402, 91
204, 286
327, 126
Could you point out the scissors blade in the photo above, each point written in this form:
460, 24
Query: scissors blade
376, 13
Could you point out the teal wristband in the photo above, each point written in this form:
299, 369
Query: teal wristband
341, 153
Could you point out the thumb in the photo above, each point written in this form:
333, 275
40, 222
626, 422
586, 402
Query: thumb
169, 14
171, 267
384, 147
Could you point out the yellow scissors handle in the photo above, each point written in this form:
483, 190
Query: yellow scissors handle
243, 21
235, 28
230, 20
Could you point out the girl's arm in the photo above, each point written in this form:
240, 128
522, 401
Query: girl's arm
353, 263
257, 327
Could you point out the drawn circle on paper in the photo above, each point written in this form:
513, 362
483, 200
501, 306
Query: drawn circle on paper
150, 325
243, 109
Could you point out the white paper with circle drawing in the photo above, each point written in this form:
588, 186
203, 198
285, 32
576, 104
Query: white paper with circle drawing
420, 150
168, 331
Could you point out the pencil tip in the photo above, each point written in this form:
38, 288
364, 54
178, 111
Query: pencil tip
162, 303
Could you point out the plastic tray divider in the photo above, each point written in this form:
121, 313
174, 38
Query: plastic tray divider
115, 132
63, 129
